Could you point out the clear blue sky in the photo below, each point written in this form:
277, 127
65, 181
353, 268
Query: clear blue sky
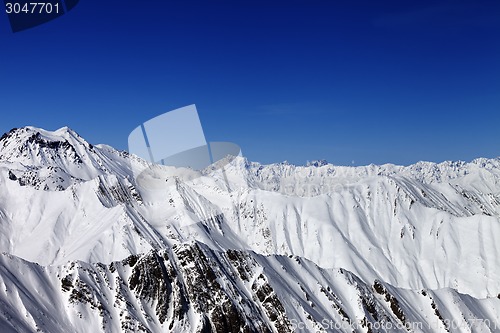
347, 81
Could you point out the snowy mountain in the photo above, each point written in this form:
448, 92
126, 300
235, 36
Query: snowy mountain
241, 247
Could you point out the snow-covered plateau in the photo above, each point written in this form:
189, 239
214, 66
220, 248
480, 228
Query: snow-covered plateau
98, 240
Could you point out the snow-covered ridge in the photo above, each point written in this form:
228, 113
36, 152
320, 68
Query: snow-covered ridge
428, 226
324, 178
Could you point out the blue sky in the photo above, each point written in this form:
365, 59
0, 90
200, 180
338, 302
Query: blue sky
352, 82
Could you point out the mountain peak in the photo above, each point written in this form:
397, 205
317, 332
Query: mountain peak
60, 134
35, 146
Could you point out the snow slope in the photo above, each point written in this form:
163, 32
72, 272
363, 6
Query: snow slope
241, 246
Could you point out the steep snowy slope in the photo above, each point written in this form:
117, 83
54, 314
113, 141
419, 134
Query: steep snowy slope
242, 245
190, 288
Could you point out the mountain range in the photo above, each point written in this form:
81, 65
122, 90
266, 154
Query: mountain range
98, 240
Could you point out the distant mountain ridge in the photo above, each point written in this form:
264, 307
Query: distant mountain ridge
242, 246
